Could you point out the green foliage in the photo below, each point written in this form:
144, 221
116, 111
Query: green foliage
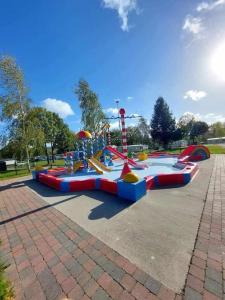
144, 130
14, 102
6, 290
185, 124
91, 110
163, 124
52, 130
198, 129
217, 130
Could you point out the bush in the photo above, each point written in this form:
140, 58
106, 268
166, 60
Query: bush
6, 290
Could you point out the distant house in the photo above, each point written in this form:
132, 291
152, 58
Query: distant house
218, 140
134, 148
179, 144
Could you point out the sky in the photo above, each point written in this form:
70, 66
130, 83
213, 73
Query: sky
131, 50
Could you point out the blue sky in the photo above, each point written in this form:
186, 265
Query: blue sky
134, 50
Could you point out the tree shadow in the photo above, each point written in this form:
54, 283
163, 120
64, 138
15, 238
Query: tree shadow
12, 185
34, 211
110, 204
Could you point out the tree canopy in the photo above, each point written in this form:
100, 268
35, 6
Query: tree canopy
163, 125
92, 115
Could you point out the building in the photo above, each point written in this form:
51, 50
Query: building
218, 140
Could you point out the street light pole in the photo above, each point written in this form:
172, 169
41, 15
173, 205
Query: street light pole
117, 106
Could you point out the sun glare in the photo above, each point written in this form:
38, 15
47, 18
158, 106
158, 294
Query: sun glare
218, 61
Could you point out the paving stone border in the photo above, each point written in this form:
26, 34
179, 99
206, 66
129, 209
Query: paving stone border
52, 257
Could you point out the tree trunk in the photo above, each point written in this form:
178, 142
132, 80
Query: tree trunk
46, 152
52, 148
28, 158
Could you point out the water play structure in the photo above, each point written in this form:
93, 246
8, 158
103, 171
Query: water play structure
92, 167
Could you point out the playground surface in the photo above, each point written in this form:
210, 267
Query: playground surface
52, 257
137, 231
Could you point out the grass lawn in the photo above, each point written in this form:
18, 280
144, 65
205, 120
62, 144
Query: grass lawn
23, 172
216, 149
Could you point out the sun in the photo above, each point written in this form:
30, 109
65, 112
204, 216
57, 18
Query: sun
218, 61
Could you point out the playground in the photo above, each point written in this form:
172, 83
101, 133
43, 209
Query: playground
96, 165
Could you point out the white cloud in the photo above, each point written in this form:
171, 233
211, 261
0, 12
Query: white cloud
123, 8
193, 25
208, 118
62, 108
209, 5
111, 110
114, 125
195, 95
130, 98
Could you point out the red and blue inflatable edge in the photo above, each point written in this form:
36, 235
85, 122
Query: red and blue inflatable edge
130, 191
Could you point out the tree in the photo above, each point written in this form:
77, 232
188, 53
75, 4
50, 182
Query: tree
198, 129
133, 135
163, 124
217, 129
55, 131
185, 124
144, 130
92, 113
14, 102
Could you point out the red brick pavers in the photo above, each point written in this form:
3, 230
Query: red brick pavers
206, 275
52, 257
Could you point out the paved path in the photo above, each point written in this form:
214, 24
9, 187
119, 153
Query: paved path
54, 258
171, 215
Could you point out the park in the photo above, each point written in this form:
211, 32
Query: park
104, 195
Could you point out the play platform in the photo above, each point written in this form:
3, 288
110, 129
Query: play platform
159, 170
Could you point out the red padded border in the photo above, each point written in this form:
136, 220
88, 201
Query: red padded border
50, 180
108, 186
149, 182
170, 179
82, 185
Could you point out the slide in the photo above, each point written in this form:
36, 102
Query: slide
100, 165
188, 151
130, 161
77, 166
194, 153
98, 154
95, 166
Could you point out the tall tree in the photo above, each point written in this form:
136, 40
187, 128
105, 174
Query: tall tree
185, 124
14, 101
198, 129
92, 113
144, 130
217, 129
163, 125
56, 132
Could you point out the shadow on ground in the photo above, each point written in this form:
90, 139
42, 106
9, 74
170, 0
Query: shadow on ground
108, 207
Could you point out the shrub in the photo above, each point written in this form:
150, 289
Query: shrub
6, 290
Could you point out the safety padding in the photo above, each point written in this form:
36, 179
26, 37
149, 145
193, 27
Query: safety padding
170, 179
57, 171
132, 191
82, 185
195, 153
50, 180
150, 182
108, 186
35, 174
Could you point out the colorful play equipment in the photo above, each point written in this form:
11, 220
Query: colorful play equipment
142, 156
195, 153
91, 167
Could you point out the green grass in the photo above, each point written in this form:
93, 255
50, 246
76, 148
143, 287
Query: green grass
24, 172
216, 149
6, 290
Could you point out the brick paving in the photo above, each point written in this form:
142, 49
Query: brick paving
51, 257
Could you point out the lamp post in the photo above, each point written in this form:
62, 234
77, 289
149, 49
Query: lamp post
117, 106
